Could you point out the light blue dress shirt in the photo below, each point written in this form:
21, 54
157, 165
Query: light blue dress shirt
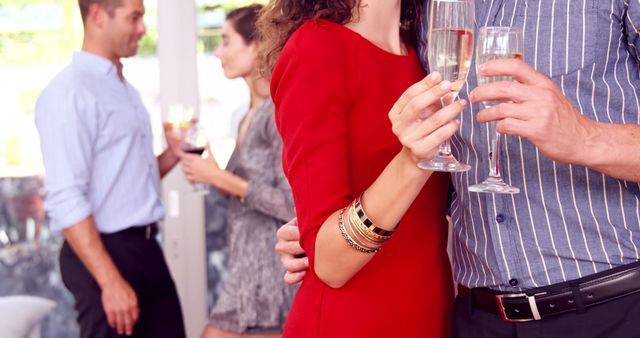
96, 142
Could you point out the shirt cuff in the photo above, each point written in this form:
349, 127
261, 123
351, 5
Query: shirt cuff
67, 213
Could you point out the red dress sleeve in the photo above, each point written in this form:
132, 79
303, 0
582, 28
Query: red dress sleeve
311, 90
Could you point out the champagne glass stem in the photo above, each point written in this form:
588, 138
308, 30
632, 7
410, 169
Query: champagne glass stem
494, 183
494, 168
445, 148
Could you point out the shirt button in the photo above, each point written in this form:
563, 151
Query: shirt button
513, 282
500, 218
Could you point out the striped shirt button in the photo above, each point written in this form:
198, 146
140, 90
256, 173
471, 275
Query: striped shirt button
513, 282
500, 218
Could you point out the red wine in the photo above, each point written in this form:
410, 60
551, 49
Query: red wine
197, 151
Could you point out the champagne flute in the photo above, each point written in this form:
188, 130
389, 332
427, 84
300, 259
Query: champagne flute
194, 141
449, 52
496, 43
179, 119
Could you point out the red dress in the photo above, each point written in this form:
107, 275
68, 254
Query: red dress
333, 90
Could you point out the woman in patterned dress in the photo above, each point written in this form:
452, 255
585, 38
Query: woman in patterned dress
254, 301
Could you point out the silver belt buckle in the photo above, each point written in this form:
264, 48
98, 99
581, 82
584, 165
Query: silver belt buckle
532, 305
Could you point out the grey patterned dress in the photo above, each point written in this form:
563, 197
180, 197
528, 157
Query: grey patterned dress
254, 299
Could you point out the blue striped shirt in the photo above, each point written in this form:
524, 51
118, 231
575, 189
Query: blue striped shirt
96, 142
568, 221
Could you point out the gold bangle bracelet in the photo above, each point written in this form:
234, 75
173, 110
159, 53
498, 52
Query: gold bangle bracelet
369, 237
348, 238
353, 216
361, 239
367, 221
357, 236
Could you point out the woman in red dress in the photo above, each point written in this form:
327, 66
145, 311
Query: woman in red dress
344, 69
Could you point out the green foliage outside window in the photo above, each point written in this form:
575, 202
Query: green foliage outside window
25, 39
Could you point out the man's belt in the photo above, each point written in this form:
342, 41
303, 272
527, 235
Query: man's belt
576, 295
147, 231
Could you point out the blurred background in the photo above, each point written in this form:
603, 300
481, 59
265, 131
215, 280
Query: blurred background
37, 38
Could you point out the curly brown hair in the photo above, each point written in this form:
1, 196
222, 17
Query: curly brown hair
280, 18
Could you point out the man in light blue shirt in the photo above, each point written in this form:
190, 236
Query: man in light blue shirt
103, 182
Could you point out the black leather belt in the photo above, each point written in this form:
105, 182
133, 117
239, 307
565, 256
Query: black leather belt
576, 295
147, 231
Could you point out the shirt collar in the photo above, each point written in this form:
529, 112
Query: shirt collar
93, 63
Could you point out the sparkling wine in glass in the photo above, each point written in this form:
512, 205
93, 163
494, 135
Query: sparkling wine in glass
496, 43
179, 119
194, 141
449, 52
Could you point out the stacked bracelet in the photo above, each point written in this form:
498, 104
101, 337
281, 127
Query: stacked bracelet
359, 231
350, 239
357, 203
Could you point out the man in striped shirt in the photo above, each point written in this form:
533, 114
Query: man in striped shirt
573, 149
570, 239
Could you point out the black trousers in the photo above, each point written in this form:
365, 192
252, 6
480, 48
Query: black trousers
142, 264
619, 318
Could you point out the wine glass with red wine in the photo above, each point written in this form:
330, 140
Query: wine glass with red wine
194, 141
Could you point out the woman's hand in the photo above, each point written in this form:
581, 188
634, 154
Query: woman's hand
420, 122
199, 170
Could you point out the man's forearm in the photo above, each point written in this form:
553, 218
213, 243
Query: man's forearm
613, 149
166, 161
85, 241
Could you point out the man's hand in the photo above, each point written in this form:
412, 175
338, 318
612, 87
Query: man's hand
292, 255
172, 136
119, 301
121, 306
534, 108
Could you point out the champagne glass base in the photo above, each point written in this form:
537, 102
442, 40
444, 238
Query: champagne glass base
446, 163
494, 186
